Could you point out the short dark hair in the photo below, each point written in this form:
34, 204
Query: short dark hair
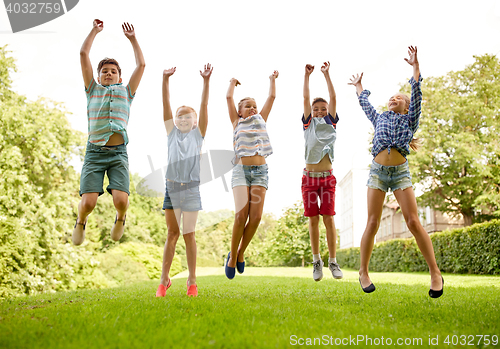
318, 99
108, 61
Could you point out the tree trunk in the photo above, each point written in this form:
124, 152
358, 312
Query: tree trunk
467, 219
303, 262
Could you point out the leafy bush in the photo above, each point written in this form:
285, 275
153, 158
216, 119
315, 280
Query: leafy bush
473, 250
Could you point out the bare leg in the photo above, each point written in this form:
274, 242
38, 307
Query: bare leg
408, 204
241, 200
257, 196
120, 200
169, 250
86, 205
188, 227
314, 233
331, 235
375, 202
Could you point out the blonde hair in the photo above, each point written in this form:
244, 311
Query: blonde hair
240, 104
415, 143
185, 106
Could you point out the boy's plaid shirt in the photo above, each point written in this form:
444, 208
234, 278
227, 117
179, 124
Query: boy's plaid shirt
394, 130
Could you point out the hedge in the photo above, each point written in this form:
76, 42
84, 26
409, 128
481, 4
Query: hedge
471, 250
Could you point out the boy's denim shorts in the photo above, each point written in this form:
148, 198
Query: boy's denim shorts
250, 175
185, 196
101, 159
388, 178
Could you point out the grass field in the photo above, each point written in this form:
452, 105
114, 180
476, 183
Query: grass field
264, 308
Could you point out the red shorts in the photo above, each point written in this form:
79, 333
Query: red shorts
315, 189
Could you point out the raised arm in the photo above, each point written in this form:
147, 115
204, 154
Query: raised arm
369, 110
307, 97
332, 105
413, 61
266, 109
135, 79
414, 109
233, 113
356, 82
87, 73
203, 120
167, 109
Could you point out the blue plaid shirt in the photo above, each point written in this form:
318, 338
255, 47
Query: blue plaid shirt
394, 130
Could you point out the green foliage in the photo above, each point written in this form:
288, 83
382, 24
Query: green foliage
473, 250
458, 165
131, 262
291, 245
36, 193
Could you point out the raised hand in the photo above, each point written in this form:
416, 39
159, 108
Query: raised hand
128, 30
274, 75
325, 67
309, 69
234, 81
207, 71
168, 72
98, 25
356, 79
412, 52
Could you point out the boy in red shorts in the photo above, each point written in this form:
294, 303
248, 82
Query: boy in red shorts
318, 182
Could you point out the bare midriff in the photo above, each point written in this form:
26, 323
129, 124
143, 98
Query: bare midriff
394, 158
323, 165
254, 160
115, 139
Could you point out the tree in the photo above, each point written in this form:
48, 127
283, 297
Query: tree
37, 190
458, 165
291, 244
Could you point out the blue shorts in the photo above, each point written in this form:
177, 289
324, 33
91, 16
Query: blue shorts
249, 175
387, 178
100, 159
185, 196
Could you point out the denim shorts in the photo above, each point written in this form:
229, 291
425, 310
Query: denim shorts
185, 196
250, 175
99, 160
388, 178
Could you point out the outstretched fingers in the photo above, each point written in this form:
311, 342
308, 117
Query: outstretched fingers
355, 79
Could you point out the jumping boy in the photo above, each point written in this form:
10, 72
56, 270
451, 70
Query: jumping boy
108, 108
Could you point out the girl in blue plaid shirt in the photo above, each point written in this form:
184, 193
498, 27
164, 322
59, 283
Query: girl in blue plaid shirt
394, 130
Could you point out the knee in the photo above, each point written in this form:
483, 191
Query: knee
254, 219
240, 218
372, 225
328, 220
314, 220
121, 204
173, 234
413, 223
87, 205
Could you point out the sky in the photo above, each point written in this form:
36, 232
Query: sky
248, 41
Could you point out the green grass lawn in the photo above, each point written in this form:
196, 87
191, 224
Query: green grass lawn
264, 308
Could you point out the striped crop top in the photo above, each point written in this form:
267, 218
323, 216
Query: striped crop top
250, 138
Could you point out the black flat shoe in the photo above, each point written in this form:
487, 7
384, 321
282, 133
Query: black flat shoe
436, 294
370, 288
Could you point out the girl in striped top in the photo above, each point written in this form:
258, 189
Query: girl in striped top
249, 180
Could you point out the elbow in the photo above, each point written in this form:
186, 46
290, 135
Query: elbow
142, 65
83, 53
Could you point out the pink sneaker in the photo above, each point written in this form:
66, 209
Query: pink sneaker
162, 290
192, 290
